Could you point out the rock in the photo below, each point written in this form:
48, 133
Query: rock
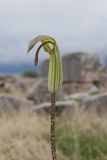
24, 83
61, 106
39, 92
17, 85
94, 90
78, 67
76, 87
8, 102
97, 103
77, 96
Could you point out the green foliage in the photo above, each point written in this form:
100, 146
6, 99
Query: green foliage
85, 146
81, 145
65, 142
30, 74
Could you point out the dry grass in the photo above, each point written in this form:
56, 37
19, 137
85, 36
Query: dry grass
25, 136
21, 137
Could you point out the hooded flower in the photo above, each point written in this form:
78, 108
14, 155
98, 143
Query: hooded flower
55, 76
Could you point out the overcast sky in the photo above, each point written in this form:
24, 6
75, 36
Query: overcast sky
77, 25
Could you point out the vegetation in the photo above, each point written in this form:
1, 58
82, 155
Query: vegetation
25, 135
83, 137
82, 145
21, 136
30, 74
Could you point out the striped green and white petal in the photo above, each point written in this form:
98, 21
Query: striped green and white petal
55, 76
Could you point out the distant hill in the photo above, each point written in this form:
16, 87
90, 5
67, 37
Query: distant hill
11, 69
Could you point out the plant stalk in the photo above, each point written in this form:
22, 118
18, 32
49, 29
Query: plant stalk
53, 140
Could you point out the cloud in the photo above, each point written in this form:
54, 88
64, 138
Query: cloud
77, 25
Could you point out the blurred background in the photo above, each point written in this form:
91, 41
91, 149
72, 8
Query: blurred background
79, 27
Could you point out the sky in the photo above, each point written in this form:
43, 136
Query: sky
77, 25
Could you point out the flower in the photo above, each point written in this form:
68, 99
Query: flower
55, 76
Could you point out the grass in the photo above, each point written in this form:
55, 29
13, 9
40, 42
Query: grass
82, 136
21, 137
85, 146
25, 135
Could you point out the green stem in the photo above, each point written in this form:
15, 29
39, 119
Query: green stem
53, 141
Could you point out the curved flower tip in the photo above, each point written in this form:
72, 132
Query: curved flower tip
49, 45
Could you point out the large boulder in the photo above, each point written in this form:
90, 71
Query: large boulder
97, 103
77, 96
16, 85
8, 102
78, 67
66, 107
39, 92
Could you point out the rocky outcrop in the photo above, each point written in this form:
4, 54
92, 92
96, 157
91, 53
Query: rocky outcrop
77, 96
39, 92
80, 96
89, 96
96, 103
61, 107
8, 102
89, 102
78, 67
16, 85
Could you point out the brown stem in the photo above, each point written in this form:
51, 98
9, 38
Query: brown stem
53, 141
37, 52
